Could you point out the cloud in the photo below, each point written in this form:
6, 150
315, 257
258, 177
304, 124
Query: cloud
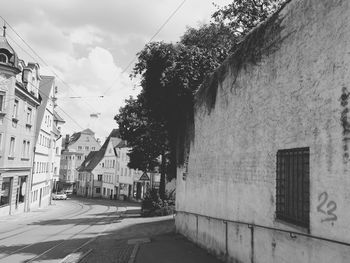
89, 43
91, 77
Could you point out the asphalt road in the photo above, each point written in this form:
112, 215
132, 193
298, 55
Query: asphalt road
64, 229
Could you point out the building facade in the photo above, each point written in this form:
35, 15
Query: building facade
48, 137
124, 173
266, 173
58, 122
76, 148
109, 164
19, 99
96, 172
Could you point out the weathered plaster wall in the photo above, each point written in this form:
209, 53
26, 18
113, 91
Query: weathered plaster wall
292, 92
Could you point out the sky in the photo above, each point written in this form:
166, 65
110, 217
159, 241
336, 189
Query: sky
88, 44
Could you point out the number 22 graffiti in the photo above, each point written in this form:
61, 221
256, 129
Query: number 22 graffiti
331, 206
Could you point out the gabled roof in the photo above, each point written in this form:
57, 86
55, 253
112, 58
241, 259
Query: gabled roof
97, 156
87, 162
45, 87
115, 141
121, 144
88, 131
75, 136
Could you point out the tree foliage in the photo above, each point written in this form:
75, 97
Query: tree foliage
144, 135
171, 74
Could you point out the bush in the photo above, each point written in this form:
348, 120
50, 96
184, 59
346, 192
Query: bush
153, 205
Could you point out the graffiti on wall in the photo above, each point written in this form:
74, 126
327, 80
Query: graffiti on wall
327, 207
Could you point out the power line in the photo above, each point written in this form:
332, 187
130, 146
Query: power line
154, 35
40, 92
44, 62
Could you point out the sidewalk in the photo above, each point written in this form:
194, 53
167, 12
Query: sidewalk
145, 240
172, 248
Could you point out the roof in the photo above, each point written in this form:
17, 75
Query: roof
75, 136
88, 131
121, 144
115, 141
57, 117
13, 60
87, 162
45, 87
93, 160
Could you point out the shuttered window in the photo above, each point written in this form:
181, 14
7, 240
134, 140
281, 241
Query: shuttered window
293, 186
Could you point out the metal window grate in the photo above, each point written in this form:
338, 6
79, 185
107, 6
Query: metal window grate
292, 186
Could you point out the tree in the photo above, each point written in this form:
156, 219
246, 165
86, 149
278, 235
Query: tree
171, 74
145, 136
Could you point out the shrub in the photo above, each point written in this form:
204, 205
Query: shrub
153, 205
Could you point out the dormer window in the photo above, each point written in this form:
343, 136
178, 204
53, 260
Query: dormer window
3, 58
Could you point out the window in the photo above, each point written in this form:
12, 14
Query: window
113, 165
28, 149
98, 190
93, 148
86, 148
79, 157
79, 147
12, 147
2, 101
24, 148
292, 186
104, 190
6, 191
99, 177
15, 109
3, 58
29, 115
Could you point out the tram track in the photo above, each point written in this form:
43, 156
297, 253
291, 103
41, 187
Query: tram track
72, 236
69, 216
52, 248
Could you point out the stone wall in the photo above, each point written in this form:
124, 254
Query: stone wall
286, 87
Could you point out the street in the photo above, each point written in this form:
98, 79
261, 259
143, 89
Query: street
67, 229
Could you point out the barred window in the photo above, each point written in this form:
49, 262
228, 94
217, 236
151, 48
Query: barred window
293, 186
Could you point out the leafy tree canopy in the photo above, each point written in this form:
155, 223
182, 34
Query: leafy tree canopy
170, 75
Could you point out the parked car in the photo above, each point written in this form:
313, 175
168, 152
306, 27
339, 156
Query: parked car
59, 196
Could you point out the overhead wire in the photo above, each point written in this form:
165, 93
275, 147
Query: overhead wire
41, 92
64, 82
44, 62
151, 39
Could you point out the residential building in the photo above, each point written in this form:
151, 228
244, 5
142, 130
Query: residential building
93, 174
48, 137
109, 164
19, 99
58, 122
265, 176
76, 148
133, 183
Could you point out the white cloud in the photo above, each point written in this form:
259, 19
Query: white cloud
91, 77
88, 44
87, 35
